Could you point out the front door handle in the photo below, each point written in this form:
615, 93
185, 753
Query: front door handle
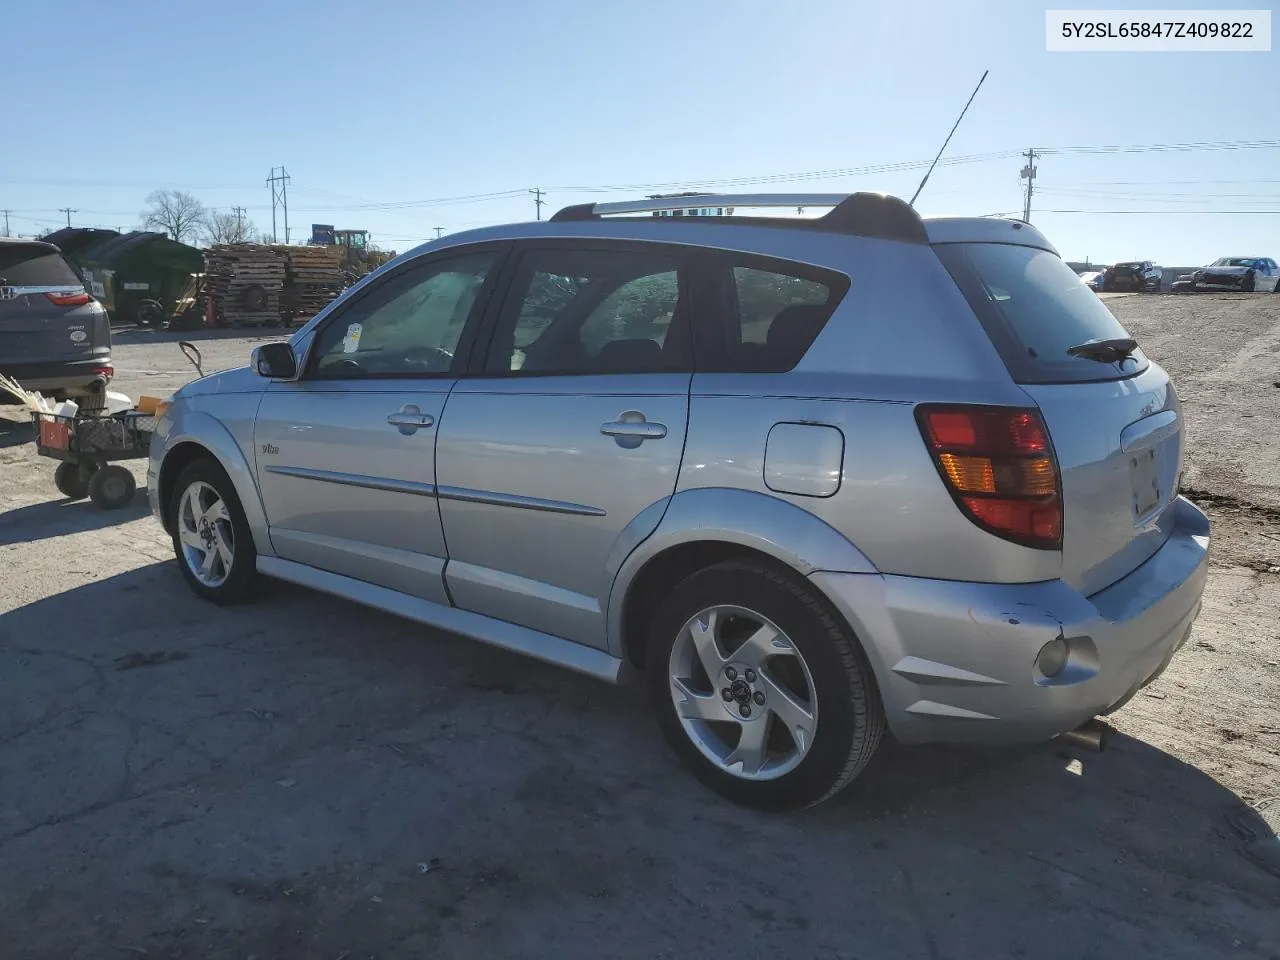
409, 419
632, 429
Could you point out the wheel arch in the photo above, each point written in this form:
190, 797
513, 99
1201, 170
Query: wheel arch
204, 436
703, 527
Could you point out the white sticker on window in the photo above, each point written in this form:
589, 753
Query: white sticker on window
351, 342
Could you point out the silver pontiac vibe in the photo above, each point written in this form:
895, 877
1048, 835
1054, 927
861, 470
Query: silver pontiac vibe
807, 478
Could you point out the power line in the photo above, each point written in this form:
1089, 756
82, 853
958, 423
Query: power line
1179, 213
1215, 145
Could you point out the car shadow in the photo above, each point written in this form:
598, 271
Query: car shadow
58, 518
323, 748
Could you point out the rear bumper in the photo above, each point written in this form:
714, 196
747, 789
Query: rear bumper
957, 661
74, 377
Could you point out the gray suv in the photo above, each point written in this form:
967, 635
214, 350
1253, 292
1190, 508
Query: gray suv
54, 337
812, 479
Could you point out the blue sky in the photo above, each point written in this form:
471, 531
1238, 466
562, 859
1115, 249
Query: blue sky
373, 106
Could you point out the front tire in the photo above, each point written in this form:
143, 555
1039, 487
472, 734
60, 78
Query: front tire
759, 687
211, 535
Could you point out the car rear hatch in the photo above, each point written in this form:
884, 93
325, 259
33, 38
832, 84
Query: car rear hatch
45, 314
1113, 417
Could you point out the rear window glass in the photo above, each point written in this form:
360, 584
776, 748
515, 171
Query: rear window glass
1034, 309
35, 268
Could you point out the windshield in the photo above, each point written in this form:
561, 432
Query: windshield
1132, 265
1035, 309
1232, 262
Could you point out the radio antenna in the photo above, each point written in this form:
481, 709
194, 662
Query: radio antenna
948, 140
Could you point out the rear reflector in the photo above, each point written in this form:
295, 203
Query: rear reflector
999, 467
107, 371
70, 299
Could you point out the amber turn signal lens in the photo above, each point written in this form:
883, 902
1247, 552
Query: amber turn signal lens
969, 474
1021, 477
1033, 477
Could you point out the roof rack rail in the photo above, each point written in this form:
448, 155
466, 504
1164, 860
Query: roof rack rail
861, 214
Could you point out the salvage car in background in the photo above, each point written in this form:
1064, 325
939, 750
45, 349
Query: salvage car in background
1141, 276
1093, 279
1245, 274
54, 336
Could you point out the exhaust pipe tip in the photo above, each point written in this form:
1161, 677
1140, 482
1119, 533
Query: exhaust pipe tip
1090, 735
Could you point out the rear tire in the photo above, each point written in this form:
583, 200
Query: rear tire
72, 481
803, 756
112, 487
93, 403
203, 492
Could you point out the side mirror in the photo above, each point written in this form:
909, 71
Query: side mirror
275, 360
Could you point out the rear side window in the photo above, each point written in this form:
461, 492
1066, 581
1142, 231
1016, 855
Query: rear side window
773, 311
1034, 309
35, 267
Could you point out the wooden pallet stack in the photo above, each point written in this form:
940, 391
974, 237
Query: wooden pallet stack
245, 281
313, 277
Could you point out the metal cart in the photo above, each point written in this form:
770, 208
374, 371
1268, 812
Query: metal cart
87, 446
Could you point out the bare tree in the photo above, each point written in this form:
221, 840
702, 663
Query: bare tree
227, 227
176, 212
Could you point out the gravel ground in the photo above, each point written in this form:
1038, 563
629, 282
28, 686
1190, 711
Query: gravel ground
304, 778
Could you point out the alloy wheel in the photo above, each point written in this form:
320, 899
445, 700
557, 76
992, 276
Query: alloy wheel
207, 536
743, 693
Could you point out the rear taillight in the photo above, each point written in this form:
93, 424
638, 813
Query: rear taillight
999, 467
70, 299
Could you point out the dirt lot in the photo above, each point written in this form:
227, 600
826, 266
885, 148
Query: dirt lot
307, 779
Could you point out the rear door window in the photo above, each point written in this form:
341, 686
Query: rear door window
34, 267
1035, 309
603, 308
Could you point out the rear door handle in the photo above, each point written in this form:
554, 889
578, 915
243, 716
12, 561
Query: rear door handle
409, 419
632, 429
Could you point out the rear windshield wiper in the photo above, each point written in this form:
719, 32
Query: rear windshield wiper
1104, 351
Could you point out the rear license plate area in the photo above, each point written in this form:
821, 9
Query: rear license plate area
1144, 476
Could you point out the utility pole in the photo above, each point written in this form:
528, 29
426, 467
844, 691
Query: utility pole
279, 184
1029, 174
537, 199
239, 212
6, 222
439, 232
67, 210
